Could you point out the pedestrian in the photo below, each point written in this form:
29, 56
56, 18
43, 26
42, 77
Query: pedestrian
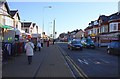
39, 45
53, 41
29, 46
42, 42
47, 42
35, 46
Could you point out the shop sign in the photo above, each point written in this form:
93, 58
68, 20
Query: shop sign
92, 34
113, 36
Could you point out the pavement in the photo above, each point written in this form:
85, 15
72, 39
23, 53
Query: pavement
49, 62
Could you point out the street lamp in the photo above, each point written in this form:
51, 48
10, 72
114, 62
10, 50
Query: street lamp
43, 19
53, 29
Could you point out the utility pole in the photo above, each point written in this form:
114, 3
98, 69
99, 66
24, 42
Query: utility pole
54, 29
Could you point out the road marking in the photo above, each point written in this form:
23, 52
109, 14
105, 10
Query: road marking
105, 61
79, 70
96, 61
83, 61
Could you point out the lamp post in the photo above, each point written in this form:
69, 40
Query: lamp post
43, 20
53, 29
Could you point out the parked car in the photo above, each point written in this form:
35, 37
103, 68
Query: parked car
88, 43
114, 48
75, 44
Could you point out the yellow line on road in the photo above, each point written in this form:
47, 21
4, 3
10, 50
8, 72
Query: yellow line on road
80, 72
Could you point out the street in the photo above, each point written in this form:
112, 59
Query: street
58, 61
38, 39
93, 62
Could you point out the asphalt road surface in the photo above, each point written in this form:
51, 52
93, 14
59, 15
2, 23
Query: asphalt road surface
93, 62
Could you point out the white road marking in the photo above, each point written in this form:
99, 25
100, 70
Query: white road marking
105, 61
83, 61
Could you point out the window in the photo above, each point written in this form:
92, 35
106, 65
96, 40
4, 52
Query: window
102, 29
26, 30
106, 29
113, 27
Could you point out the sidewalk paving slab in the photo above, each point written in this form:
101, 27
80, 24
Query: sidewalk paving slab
49, 62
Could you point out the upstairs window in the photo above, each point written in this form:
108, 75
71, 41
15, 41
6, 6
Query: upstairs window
113, 27
26, 30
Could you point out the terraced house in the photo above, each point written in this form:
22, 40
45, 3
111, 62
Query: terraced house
105, 29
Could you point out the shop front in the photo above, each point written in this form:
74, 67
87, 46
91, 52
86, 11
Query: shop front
93, 36
105, 39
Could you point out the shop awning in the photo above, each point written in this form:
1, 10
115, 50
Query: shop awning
6, 26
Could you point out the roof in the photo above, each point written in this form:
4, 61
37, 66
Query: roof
13, 12
26, 24
6, 5
104, 18
115, 16
34, 24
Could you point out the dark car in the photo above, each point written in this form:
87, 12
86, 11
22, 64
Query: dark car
75, 44
114, 48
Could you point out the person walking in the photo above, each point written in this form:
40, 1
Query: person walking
42, 41
47, 43
39, 45
29, 46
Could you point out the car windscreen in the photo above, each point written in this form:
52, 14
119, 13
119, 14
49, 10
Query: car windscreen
89, 41
76, 42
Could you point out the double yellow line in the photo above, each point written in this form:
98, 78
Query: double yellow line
77, 68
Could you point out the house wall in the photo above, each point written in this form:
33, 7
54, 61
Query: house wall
0, 34
119, 26
30, 30
8, 21
4, 16
17, 23
34, 31
79, 34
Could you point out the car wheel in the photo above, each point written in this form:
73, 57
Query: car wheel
71, 48
93, 47
68, 47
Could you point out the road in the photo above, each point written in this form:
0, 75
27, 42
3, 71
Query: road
93, 62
